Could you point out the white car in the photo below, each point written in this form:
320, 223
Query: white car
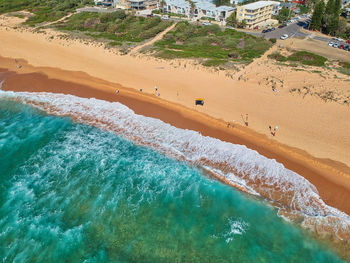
165, 17
285, 36
330, 44
335, 45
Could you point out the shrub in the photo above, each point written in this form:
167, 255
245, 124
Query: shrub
273, 40
277, 56
307, 58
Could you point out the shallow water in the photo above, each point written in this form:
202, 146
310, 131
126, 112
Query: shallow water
74, 193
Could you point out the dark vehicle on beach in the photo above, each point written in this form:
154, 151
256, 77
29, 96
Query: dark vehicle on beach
199, 102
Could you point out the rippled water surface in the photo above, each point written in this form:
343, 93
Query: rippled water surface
74, 193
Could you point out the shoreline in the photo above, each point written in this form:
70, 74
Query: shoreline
331, 178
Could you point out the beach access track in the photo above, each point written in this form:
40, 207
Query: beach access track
150, 42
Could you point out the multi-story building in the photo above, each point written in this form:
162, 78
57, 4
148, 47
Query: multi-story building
201, 9
257, 12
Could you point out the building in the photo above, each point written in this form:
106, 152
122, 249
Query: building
257, 12
135, 4
142, 4
202, 9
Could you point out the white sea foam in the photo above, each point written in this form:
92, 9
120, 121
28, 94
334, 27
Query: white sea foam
243, 167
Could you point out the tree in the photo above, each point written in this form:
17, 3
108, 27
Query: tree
283, 15
231, 20
316, 19
329, 10
221, 2
242, 24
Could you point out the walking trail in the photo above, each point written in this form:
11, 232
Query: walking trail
156, 38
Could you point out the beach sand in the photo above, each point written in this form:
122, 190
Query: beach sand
313, 136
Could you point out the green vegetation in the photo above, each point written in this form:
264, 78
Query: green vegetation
303, 9
302, 57
43, 10
211, 44
326, 18
283, 15
344, 68
119, 27
277, 56
222, 2
307, 58
345, 65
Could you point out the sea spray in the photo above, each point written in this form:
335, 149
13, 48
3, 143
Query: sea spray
253, 172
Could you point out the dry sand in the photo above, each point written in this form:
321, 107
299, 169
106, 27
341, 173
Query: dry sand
307, 124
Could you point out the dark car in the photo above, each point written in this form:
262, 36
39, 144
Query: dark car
281, 26
265, 31
272, 29
347, 48
150, 15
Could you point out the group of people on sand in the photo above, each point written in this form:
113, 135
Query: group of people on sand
246, 123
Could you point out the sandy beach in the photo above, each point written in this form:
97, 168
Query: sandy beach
313, 136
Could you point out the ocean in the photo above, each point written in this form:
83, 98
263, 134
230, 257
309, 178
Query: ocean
83, 180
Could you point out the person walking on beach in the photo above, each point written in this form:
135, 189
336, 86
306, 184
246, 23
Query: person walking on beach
155, 89
273, 132
245, 120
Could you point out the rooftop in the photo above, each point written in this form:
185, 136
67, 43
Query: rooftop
260, 4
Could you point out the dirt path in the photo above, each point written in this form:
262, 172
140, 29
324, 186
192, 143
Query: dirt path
59, 20
150, 42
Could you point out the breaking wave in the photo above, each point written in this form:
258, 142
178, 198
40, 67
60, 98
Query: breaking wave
238, 165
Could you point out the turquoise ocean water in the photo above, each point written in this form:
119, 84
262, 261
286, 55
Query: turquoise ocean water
70, 192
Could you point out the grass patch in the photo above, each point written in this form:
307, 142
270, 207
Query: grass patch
345, 65
303, 57
43, 10
217, 47
117, 27
277, 56
307, 58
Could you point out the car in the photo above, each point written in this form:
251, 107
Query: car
150, 15
335, 45
256, 27
285, 36
265, 31
272, 29
165, 17
281, 26
206, 24
330, 44
347, 47
348, 41
341, 46
230, 27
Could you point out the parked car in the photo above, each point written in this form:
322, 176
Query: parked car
272, 29
230, 27
165, 17
265, 31
206, 24
348, 41
335, 45
285, 36
330, 44
347, 48
150, 15
341, 46
281, 26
